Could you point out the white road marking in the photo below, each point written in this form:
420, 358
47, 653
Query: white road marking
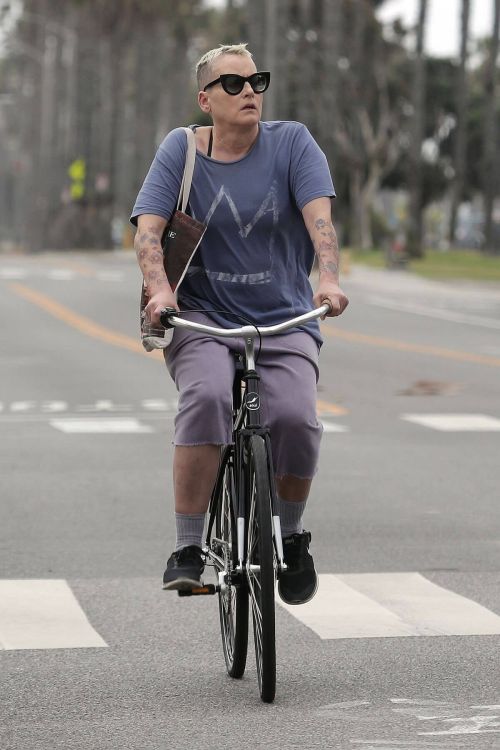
22, 406
419, 702
405, 745
333, 427
468, 725
343, 705
159, 404
100, 426
151, 405
40, 614
455, 422
495, 707
388, 605
104, 405
430, 312
54, 406
110, 275
339, 611
12, 273
61, 274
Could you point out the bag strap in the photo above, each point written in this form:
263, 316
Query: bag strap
187, 177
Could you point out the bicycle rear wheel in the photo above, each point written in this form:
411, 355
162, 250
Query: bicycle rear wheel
260, 565
233, 598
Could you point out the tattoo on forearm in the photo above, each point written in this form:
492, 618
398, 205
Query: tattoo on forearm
329, 268
148, 250
326, 247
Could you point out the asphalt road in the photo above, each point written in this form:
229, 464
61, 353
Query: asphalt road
401, 647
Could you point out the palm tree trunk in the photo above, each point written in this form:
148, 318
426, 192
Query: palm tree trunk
415, 223
490, 135
461, 131
330, 40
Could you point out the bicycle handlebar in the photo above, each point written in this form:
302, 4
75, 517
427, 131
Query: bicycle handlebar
169, 319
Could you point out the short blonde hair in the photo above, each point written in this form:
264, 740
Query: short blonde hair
205, 63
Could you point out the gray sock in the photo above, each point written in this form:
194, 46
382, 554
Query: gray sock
189, 528
290, 514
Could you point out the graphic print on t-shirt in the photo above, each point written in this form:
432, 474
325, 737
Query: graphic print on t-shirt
268, 205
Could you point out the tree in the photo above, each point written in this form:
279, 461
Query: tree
415, 223
461, 99
491, 133
370, 120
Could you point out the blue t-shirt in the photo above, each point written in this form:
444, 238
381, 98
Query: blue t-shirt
256, 255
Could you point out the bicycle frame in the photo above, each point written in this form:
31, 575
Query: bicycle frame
246, 422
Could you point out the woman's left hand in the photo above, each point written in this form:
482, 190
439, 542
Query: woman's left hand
330, 292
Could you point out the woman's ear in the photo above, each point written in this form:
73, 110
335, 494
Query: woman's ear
203, 101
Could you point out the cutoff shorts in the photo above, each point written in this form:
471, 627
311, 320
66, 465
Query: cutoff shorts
202, 368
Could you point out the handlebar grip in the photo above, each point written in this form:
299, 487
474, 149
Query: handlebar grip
165, 314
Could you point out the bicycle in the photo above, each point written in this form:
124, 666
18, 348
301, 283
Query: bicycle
243, 539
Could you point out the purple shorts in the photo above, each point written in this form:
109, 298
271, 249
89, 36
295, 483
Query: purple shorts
202, 368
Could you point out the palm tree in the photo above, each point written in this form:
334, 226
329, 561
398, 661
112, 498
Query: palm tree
490, 157
461, 129
415, 224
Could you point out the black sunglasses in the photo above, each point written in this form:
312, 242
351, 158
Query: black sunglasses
233, 84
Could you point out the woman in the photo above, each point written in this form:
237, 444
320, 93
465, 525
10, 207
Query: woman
264, 190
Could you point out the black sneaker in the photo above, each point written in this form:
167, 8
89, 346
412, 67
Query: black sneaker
184, 569
299, 583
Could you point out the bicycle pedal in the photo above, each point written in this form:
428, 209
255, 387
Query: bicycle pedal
207, 590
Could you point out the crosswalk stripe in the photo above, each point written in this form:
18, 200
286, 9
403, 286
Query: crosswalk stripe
388, 605
455, 422
333, 427
62, 274
43, 614
12, 273
100, 425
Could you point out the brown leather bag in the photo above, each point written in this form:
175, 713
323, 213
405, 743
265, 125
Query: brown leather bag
180, 241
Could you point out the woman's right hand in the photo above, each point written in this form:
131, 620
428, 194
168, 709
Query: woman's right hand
161, 299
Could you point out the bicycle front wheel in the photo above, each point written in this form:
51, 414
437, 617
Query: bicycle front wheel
233, 597
260, 565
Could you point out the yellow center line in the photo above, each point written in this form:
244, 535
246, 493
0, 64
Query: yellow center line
325, 407
81, 323
404, 346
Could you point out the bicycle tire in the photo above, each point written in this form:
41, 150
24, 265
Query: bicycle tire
260, 552
233, 600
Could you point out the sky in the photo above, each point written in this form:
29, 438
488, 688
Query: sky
443, 21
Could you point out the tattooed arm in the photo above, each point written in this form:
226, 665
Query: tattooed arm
147, 244
318, 219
